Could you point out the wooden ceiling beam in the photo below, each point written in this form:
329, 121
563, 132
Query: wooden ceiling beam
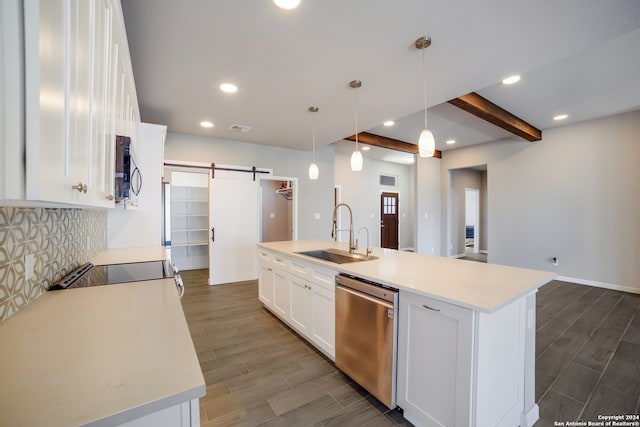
483, 108
390, 143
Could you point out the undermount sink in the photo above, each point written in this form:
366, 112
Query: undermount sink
337, 256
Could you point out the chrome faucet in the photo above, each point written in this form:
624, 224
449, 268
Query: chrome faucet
368, 248
334, 230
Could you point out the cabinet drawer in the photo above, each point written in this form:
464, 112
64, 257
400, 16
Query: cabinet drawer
324, 278
297, 267
279, 260
265, 256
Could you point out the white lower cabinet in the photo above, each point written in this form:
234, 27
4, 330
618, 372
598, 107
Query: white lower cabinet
281, 293
434, 361
301, 305
302, 295
265, 283
459, 367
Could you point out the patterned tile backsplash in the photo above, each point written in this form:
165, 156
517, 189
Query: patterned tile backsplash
59, 239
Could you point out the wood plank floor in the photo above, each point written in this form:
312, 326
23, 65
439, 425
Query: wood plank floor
587, 353
260, 372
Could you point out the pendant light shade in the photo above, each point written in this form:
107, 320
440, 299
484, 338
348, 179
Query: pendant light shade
426, 141
356, 160
313, 171
426, 144
313, 167
356, 157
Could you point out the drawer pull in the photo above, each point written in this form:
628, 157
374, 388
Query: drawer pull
430, 308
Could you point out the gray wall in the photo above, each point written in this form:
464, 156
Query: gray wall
484, 212
314, 197
361, 191
574, 195
428, 208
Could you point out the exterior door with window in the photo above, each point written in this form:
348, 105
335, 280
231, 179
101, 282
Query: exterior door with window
389, 220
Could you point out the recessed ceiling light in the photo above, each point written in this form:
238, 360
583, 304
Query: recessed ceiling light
206, 124
511, 80
451, 141
560, 117
287, 4
389, 123
366, 148
228, 88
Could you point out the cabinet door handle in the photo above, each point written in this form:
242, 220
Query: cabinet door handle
109, 197
213, 234
430, 308
82, 188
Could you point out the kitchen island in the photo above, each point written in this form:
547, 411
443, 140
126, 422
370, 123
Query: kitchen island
466, 330
100, 356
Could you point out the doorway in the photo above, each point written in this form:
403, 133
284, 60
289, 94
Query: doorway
472, 219
278, 201
389, 220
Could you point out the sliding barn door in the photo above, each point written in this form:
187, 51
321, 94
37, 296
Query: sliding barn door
233, 218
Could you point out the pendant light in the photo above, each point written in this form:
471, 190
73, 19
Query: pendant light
356, 157
313, 167
426, 142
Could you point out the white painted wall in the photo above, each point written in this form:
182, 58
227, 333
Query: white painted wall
574, 195
143, 226
361, 191
314, 197
428, 208
276, 210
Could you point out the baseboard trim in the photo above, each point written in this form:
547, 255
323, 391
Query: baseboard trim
605, 285
530, 417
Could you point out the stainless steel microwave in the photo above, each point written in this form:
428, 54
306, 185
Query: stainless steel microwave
128, 178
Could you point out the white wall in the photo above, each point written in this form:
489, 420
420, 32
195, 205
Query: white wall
427, 207
361, 191
574, 195
142, 227
314, 197
276, 213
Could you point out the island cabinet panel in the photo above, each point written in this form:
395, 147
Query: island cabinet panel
301, 305
300, 294
435, 359
265, 283
186, 414
281, 293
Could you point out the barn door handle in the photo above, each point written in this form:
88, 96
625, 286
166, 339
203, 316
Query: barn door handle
213, 234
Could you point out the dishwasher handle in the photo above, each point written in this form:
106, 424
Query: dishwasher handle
367, 288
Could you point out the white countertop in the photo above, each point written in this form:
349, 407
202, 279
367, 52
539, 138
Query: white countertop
474, 285
129, 255
101, 355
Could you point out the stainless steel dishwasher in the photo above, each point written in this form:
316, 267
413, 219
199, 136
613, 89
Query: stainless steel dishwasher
366, 335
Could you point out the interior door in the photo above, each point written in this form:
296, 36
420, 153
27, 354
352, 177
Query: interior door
233, 221
389, 220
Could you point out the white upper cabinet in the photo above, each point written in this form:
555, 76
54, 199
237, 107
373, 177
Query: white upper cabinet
79, 94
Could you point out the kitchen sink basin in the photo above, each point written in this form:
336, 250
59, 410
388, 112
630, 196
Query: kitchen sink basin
337, 256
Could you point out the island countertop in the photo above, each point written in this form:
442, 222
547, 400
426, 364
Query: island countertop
478, 286
100, 355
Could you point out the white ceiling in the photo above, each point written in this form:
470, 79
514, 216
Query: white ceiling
580, 57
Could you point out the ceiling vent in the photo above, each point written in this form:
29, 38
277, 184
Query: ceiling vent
240, 128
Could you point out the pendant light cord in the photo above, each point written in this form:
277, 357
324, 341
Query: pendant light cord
313, 140
424, 80
356, 119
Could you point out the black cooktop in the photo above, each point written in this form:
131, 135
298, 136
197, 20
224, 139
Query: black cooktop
97, 275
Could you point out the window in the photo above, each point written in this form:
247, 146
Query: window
389, 205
